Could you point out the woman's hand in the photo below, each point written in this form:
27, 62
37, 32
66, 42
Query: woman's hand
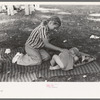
64, 50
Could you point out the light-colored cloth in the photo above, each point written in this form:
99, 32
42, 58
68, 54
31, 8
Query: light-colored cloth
67, 60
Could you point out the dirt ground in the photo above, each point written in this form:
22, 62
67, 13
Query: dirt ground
76, 30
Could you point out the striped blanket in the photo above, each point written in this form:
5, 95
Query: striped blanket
15, 73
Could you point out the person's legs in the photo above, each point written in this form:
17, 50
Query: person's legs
32, 57
52, 62
58, 61
44, 55
27, 10
54, 67
10, 10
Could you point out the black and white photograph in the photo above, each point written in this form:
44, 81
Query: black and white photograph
49, 50
43, 42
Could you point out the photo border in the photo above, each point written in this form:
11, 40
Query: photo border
50, 83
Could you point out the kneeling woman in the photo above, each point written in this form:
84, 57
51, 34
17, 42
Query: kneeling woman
38, 39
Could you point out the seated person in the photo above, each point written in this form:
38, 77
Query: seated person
66, 59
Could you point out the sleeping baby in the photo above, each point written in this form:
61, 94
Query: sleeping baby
67, 59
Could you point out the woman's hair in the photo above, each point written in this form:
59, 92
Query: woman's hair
55, 19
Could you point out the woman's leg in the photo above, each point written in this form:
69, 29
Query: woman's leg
32, 57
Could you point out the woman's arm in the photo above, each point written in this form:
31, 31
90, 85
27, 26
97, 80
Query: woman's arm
50, 46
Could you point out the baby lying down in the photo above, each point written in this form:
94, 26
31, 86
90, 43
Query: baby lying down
67, 59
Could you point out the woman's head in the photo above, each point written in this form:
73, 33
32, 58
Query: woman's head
53, 22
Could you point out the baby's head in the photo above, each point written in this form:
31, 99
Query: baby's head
76, 54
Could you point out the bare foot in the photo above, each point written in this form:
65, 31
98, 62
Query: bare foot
54, 67
51, 68
15, 58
